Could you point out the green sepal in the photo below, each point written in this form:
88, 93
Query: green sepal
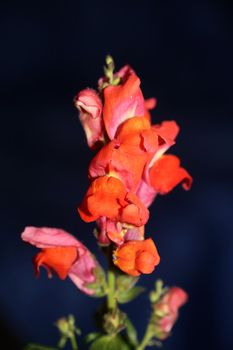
91, 337
68, 330
114, 321
157, 293
129, 295
109, 342
125, 282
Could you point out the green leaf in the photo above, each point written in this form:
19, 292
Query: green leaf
109, 342
100, 284
131, 333
129, 295
125, 282
91, 337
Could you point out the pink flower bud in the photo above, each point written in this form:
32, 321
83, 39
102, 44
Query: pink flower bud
64, 254
89, 105
166, 311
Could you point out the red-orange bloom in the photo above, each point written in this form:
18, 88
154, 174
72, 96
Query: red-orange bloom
64, 254
107, 196
162, 173
136, 257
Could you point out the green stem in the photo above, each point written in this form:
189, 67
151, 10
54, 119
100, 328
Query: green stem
111, 290
146, 339
73, 342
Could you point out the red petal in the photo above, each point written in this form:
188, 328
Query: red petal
103, 198
166, 173
59, 259
122, 102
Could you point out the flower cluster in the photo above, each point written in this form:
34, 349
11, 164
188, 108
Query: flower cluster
129, 168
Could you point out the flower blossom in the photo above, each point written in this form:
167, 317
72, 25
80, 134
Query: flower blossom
137, 257
163, 172
64, 254
166, 311
107, 196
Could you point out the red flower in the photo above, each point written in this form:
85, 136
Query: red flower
63, 254
162, 172
108, 197
136, 257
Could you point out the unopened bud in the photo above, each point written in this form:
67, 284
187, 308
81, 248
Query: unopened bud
114, 321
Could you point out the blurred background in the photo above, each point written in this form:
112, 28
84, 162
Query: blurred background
183, 53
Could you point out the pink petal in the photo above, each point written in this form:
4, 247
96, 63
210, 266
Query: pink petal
46, 237
81, 273
89, 105
146, 193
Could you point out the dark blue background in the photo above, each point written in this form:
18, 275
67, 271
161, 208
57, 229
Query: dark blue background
182, 50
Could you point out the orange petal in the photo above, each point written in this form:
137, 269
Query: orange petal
58, 259
145, 262
150, 103
103, 198
166, 173
125, 258
168, 129
132, 125
134, 212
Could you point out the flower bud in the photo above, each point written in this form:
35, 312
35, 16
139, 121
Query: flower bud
114, 321
89, 105
166, 311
